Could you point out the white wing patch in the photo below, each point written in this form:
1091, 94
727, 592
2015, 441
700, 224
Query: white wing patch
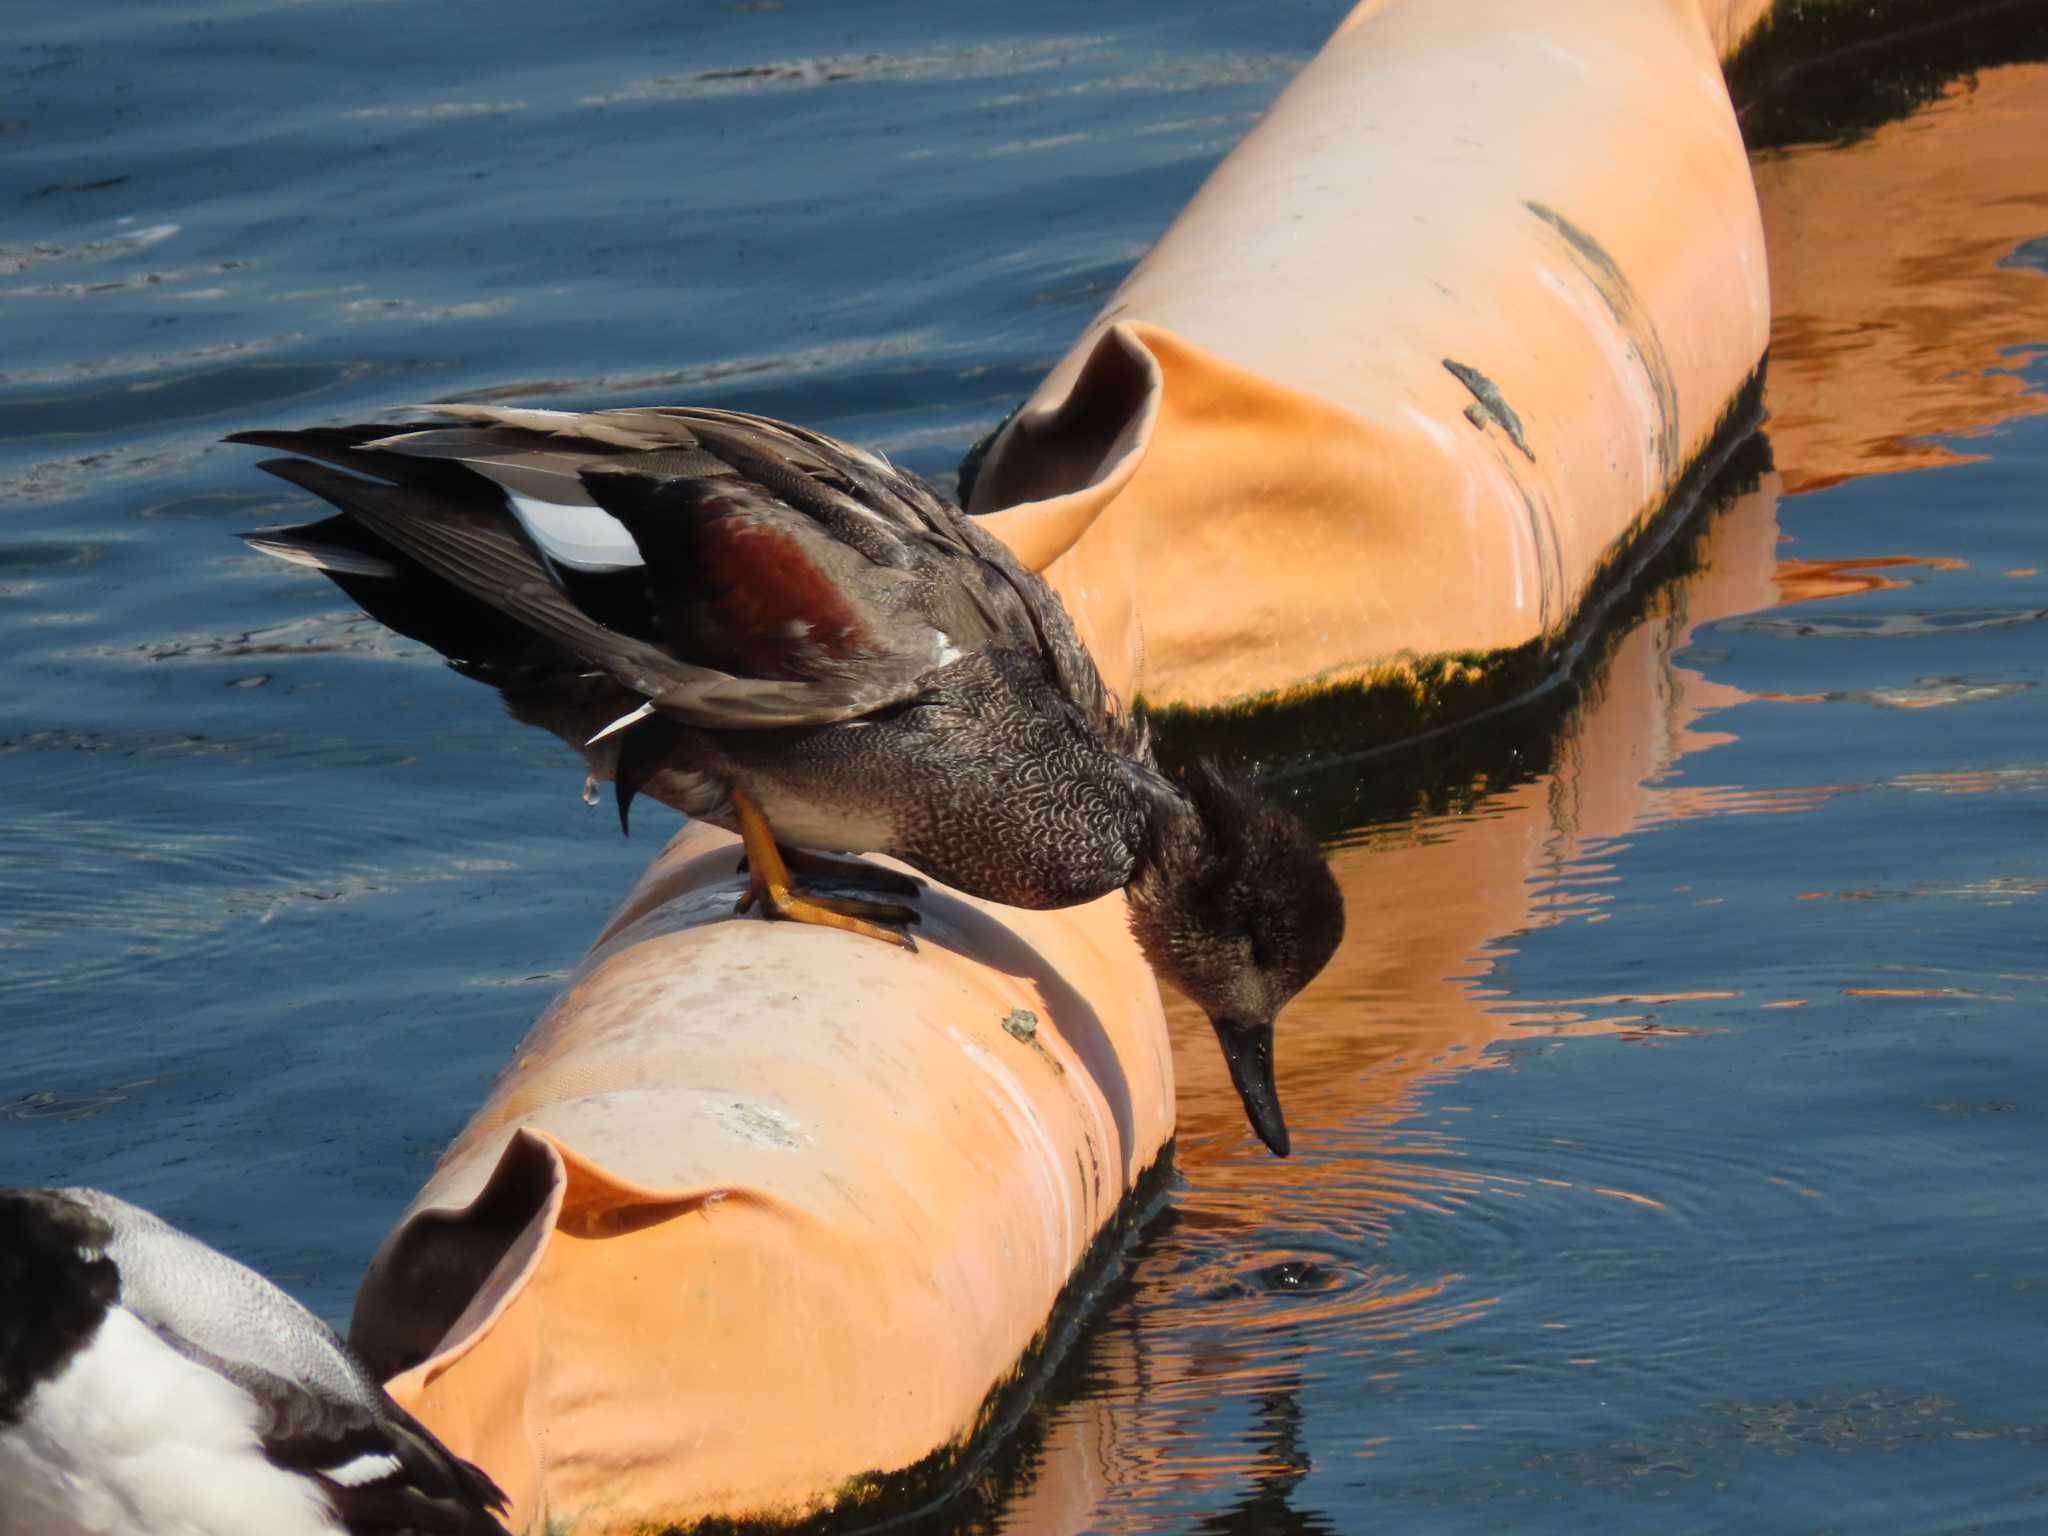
582, 538
366, 1468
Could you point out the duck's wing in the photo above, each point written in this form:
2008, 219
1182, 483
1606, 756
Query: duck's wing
459, 542
793, 580
973, 587
380, 1468
1068, 664
541, 460
318, 1412
785, 508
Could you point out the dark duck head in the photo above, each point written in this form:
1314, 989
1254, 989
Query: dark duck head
1235, 906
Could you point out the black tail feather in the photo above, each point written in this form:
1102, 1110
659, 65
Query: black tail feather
485, 556
473, 636
647, 748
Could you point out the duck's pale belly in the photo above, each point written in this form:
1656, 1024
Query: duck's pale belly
802, 821
802, 818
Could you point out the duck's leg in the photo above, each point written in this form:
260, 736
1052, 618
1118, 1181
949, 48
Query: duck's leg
768, 884
801, 861
849, 906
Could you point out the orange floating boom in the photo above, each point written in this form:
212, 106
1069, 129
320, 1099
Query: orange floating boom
1431, 344
761, 1218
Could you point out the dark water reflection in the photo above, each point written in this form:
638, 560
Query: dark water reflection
1669, 1127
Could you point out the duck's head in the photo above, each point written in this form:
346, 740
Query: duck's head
1235, 906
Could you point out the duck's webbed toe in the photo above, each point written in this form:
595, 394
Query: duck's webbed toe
854, 872
770, 887
850, 913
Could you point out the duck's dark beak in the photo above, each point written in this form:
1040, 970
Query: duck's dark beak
1248, 1050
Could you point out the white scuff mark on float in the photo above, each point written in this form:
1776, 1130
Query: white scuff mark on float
1581, 66
1627, 367
1054, 1204
1429, 426
1469, 506
1519, 533
761, 1125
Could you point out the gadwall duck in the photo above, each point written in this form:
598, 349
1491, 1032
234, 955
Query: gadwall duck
149, 1385
789, 637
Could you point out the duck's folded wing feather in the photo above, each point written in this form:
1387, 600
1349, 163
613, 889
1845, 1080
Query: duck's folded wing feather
350, 448
316, 1410
379, 1468
577, 481
395, 591
741, 579
543, 486
987, 597
538, 457
481, 554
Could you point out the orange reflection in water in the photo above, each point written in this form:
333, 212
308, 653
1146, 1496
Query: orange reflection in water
1893, 317
1804, 581
1428, 905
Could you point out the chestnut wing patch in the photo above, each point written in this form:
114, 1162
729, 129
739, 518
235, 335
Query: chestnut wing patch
765, 604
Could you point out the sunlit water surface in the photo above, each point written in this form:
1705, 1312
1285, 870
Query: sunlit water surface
1670, 1128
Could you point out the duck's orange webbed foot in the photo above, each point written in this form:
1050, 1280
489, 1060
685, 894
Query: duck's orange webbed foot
873, 877
769, 887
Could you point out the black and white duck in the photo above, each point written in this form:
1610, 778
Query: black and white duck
151, 1386
789, 637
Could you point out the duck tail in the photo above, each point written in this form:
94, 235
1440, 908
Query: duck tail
396, 590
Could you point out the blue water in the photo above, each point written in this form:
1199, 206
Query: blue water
278, 894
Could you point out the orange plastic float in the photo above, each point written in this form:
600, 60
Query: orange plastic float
760, 1207
1439, 336
762, 1219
